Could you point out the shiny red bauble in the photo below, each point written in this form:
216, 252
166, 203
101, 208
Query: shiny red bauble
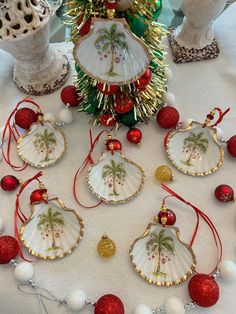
144, 80
203, 290
9, 183
113, 145
123, 104
24, 117
231, 146
108, 89
86, 27
109, 304
107, 120
167, 117
224, 193
38, 196
134, 136
9, 249
69, 96
169, 215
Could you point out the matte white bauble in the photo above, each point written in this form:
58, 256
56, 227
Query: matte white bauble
219, 133
65, 115
174, 306
169, 98
123, 5
186, 123
169, 74
24, 271
76, 300
48, 116
142, 309
228, 270
1, 221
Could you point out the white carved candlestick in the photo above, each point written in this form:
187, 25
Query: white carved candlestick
38, 68
194, 40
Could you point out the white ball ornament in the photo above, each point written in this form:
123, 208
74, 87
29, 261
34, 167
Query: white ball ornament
24, 271
227, 270
65, 116
169, 74
1, 225
219, 133
142, 309
76, 300
174, 306
185, 124
48, 116
169, 99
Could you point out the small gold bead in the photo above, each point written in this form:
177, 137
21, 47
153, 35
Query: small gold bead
106, 247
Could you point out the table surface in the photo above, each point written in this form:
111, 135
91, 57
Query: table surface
198, 87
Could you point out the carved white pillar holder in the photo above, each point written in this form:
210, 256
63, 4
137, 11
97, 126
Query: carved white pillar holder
39, 68
194, 40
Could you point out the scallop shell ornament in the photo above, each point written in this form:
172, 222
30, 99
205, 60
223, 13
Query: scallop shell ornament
110, 53
42, 146
52, 231
114, 178
195, 149
160, 256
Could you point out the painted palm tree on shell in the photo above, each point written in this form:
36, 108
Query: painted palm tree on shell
109, 41
113, 174
48, 224
45, 142
195, 145
158, 244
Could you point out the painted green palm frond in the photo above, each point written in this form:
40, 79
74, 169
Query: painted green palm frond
105, 47
120, 34
104, 31
168, 246
121, 44
113, 30
101, 38
150, 242
50, 219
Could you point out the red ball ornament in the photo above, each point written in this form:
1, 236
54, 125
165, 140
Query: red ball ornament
9, 249
134, 136
169, 215
144, 80
203, 290
167, 117
111, 5
107, 120
109, 304
9, 183
224, 193
231, 146
86, 27
38, 196
69, 96
108, 89
113, 145
24, 117
123, 104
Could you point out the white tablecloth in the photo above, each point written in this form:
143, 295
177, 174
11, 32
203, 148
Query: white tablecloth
198, 88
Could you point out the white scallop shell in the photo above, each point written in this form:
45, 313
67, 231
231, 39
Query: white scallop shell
165, 267
127, 61
199, 159
34, 148
47, 243
122, 187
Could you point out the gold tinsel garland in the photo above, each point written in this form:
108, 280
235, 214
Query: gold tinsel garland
147, 102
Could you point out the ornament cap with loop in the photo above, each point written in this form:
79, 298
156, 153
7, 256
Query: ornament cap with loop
210, 117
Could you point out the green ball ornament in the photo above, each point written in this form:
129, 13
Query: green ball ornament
137, 25
157, 12
128, 119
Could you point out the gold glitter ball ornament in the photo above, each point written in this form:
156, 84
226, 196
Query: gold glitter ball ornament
106, 247
164, 174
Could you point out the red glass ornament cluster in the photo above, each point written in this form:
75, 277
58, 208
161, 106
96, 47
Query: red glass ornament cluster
134, 136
